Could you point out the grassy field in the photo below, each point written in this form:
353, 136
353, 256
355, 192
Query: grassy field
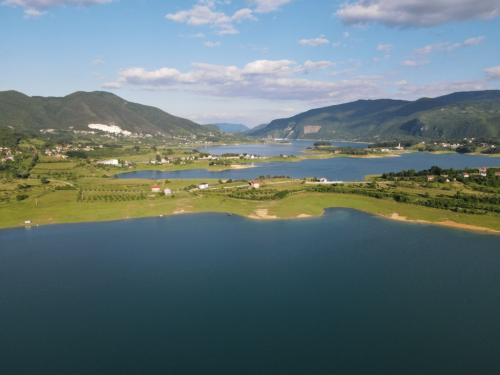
111, 199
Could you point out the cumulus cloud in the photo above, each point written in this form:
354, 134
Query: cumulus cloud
37, 8
493, 74
417, 13
314, 42
264, 79
204, 13
97, 62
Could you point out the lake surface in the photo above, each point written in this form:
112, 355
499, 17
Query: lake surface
335, 169
346, 293
290, 148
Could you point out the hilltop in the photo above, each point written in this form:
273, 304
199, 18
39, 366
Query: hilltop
457, 115
80, 109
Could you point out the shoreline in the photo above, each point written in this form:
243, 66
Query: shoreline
447, 223
263, 214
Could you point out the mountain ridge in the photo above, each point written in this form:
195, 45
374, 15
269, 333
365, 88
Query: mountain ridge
456, 115
79, 109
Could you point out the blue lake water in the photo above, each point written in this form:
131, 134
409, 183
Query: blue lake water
346, 293
340, 169
289, 148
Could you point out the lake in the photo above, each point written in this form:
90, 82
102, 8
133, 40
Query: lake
339, 168
289, 148
345, 293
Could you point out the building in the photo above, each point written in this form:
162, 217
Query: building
203, 185
482, 171
255, 184
465, 175
167, 191
155, 189
323, 179
430, 178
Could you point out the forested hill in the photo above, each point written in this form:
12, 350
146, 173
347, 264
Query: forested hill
24, 113
457, 115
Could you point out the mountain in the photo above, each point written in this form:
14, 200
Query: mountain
231, 128
78, 110
457, 115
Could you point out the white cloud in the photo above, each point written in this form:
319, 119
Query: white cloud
335, 44
468, 42
384, 47
263, 79
37, 8
204, 13
346, 34
415, 63
212, 44
267, 6
493, 74
97, 62
314, 42
310, 66
417, 13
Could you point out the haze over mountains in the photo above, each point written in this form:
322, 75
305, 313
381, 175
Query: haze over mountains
457, 115
231, 128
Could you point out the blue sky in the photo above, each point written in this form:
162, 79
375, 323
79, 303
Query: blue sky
249, 61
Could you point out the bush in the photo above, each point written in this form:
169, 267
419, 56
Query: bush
21, 197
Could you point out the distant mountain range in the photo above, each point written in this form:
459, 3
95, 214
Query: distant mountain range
457, 115
80, 109
231, 128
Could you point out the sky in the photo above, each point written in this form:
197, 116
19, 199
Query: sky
249, 61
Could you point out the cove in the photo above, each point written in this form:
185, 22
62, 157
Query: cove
347, 293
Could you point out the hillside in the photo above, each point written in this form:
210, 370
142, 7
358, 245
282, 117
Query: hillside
457, 115
78, 110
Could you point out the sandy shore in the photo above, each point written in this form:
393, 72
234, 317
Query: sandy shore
239, 166
446, 223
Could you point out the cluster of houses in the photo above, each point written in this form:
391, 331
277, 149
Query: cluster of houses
7, 152
59, 150
483, 171
157, 189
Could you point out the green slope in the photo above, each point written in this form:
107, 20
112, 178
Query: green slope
80, 109
464, 114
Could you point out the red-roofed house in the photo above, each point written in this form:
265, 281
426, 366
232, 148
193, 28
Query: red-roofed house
430, 178
255, 184
155, 189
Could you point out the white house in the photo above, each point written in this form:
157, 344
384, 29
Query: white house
255, 184
109, 162
167, 191
203, 185
323, 179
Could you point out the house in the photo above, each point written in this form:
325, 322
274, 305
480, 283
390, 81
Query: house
497, 174
155, 189
482, 171
203, 185
167, 191
323, 179
465, 175
430, 178
255, 184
